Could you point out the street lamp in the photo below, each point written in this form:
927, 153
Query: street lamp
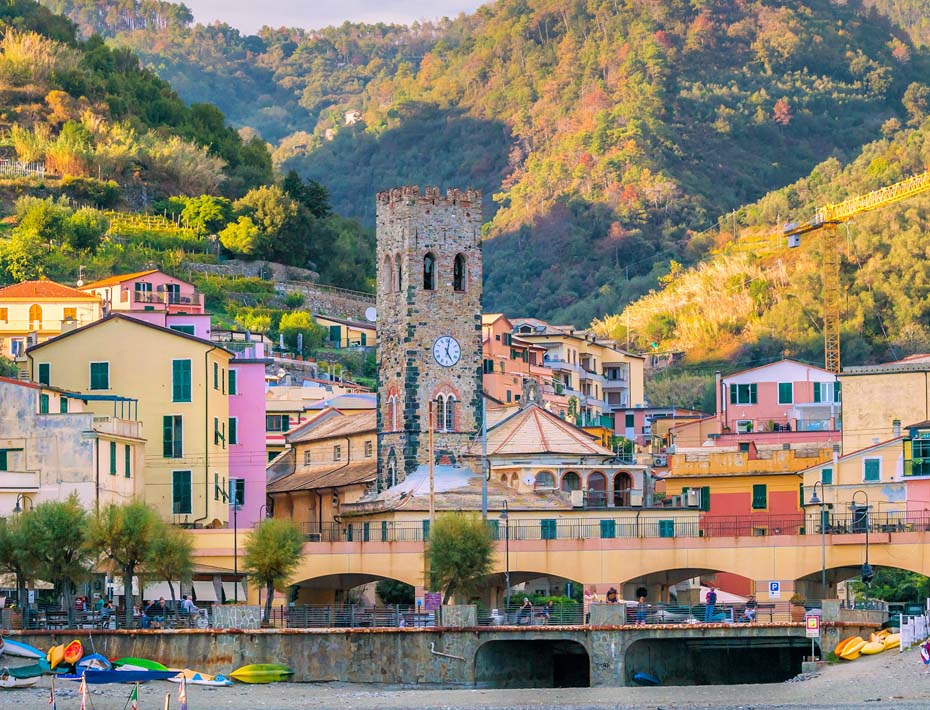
263, 511
21, 498
505, 518
866, 567
823, 546
235, 509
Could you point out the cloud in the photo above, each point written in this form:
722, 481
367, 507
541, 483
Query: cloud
250, 16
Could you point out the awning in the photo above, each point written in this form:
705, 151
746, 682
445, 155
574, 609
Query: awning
229, 591
204, 592
160, 589
116, 587
8, 581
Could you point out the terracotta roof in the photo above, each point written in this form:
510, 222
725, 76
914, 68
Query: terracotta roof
118, 279
326, 477
490, 318
45, 289
533, 430
340, 425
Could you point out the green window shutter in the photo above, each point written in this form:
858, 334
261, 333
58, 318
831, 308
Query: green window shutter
181, 380
705, 498
753, 394
349, 533
112, 458
826, 476
216, 431
45, 373
127, 460
384, 531
733, 395
233, 431
785, 393
4, 460
181, 492
43, 404
495, 526
872, 469
816, 392
666, 528
63, 405
223, 380
837, 392
364, 339
216, 375
233, 382
608, 529
366, 532
630, 421
335, 334
801, 496
187, 329
425, 530
759, 496
548, 529
100, 375
167, 432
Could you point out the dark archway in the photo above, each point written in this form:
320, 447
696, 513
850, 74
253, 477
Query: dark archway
623, 482
532, 664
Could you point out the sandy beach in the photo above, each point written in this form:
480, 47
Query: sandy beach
889, 679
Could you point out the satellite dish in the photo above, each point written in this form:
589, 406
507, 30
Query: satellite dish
371, 314
80, 282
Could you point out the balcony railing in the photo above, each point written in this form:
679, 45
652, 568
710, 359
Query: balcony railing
917, 467
169, 297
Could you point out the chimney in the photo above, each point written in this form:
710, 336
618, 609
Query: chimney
896, 427
719, 399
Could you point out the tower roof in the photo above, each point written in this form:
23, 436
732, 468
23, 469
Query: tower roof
533, 430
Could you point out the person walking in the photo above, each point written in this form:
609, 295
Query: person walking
925, 655
641, 612
711, 602
590, 597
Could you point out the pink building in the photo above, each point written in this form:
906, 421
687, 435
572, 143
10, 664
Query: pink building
150, 290
785, 402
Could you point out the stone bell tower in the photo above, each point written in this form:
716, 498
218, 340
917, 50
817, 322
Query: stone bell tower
429, 326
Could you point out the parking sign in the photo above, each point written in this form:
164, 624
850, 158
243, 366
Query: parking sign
774, 590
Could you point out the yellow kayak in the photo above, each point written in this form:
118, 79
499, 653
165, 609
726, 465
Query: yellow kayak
842, 644
262, 673
892, 641
871, 648
852, 649
56, 654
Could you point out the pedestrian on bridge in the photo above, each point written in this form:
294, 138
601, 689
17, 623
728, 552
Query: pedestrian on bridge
711, 602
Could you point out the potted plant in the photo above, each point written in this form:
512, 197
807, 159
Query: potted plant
797, 607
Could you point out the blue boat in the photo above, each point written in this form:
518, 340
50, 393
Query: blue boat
92, 662
117, 676
23, 650
645, 679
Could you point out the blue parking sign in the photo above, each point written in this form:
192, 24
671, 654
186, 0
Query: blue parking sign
774, 590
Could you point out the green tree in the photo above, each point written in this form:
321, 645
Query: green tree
171, 557
126, 535
272, 553
207, 214
242, 237
460, 553
17, 555
301, 323
390, 591
284, 223
86, 228
58, 535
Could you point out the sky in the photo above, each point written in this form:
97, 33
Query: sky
249, 16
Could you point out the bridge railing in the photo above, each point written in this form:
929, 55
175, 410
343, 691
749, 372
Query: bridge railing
350, 616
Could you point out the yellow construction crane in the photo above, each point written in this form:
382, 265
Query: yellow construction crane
825, 221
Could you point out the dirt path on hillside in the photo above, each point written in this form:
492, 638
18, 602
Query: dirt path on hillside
890, 680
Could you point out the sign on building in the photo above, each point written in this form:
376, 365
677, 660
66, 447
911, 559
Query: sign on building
774, 590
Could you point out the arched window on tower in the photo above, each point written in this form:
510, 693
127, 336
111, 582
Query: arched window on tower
392, 470
445, 412
459, 273
392, 413
397, 273
429, 272
387, 273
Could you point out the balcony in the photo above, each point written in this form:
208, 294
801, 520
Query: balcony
118, 427
916, 467
19, 481
168, 298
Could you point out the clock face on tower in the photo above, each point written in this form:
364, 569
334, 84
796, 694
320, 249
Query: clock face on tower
447, 350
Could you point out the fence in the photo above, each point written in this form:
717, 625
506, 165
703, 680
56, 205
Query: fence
15, 169
914, 628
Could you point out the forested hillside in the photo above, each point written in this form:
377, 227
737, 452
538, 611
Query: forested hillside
608, 134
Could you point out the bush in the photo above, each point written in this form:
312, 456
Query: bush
102, 193
294, 300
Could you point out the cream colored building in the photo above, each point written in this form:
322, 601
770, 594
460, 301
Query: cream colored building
31, 312
181, 385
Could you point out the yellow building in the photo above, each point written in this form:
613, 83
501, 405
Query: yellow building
596, 372
180, 382
344, 333
34, 311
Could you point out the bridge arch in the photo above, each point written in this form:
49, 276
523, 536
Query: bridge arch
536, 663
334, 588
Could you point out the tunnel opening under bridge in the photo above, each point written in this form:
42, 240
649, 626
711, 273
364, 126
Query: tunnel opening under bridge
532, 664
734, 661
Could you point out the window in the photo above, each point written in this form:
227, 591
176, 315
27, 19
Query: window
223, 380
70, 314
4, 460
112, 458
743, 394
100, 375
744, 447
188, 329
544, 479
508, 339
571, 482
398, 273
45, 373
827, 392
785, 393
216, 486
458, 273
744, 426
35, 316
237, 491
608, 528
43, 403
666, 528
872, 470
180, 380
172, 435
392, 413
429, 272
445, 415
127, 460
509, 396
826, 476
369, 449
630, 421
387, 273
62, 405
307, 458
233, 431
488, 368
705, 498
4, 315
337, 452
216, 375
233, 382
181, 492
276, 422
759, 496
219, 435
548, 529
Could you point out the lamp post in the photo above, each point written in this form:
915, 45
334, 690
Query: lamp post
21, 498
235, 508
506, 519
866, 567
263, 511
823, 545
